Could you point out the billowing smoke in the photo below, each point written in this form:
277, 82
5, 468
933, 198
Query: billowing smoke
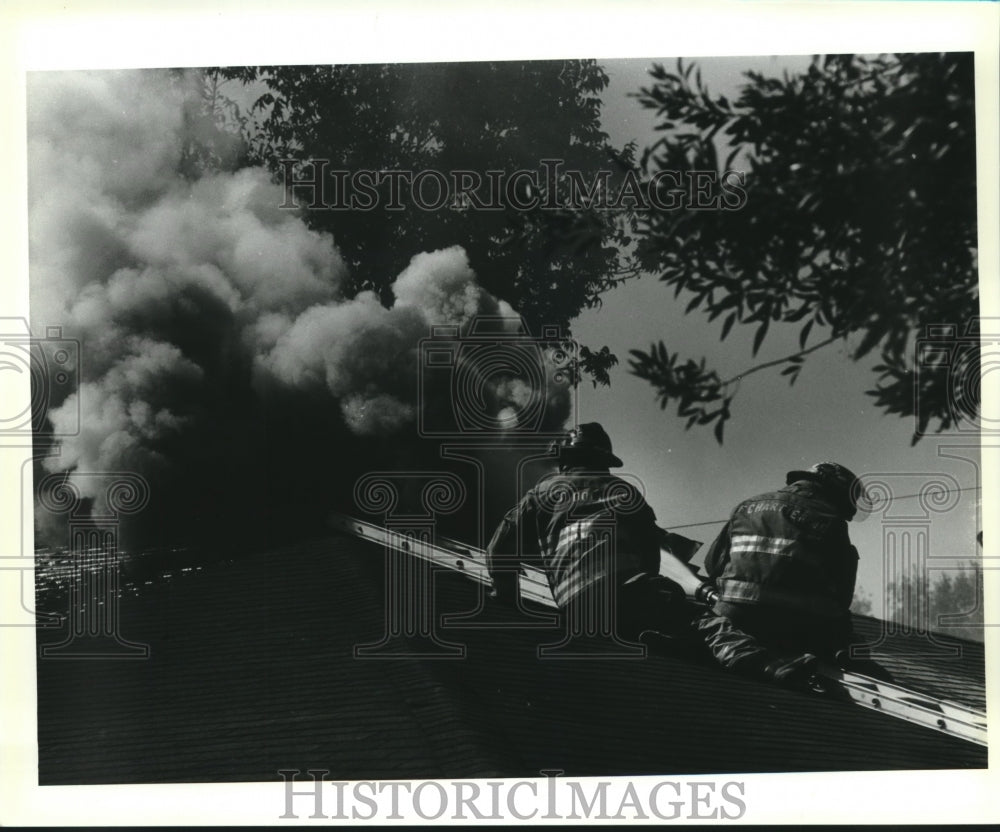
218, 355
364, 353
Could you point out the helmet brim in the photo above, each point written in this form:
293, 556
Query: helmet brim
795, 476
612, 460
589, 455
855, 493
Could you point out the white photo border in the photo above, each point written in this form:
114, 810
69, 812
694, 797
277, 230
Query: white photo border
46, 35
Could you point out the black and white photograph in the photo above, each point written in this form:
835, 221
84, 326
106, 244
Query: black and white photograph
446, 419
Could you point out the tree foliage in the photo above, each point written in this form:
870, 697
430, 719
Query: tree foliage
213, 138
859, 222
951, 603
548, 263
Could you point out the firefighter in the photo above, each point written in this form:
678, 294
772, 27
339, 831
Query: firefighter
784, 569
597, 541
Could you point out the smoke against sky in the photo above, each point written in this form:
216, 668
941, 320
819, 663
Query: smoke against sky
364, 353
216, 343
202, 304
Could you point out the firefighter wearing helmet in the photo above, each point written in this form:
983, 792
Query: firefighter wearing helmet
784, 569
595, 538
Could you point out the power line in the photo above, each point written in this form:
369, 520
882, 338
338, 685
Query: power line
891, 499
703, 523
938, 491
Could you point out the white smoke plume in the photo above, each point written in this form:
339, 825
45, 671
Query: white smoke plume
191, 298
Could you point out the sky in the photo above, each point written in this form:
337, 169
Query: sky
775, 427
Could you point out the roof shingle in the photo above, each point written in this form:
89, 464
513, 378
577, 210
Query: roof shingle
252, 669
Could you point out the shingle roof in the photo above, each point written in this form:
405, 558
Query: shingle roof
947, 668
252, 670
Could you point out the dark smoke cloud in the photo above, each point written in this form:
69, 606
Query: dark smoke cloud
216, 347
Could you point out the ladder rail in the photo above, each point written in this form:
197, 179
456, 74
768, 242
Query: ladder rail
941, 715
893, 700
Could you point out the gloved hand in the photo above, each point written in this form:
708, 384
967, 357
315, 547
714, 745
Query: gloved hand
861, 663
795, 673
845, 660
706, 594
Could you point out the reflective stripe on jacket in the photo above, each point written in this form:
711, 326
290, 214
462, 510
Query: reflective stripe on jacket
579, 527
789, 548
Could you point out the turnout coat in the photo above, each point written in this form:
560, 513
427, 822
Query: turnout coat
580, 527
788, 549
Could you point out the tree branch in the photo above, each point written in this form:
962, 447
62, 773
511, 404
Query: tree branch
766, 364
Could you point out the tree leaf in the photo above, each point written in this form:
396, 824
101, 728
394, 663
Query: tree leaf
727, 325
758, 338
804, 334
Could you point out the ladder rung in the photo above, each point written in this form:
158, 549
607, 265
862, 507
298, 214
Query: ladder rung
922, 709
